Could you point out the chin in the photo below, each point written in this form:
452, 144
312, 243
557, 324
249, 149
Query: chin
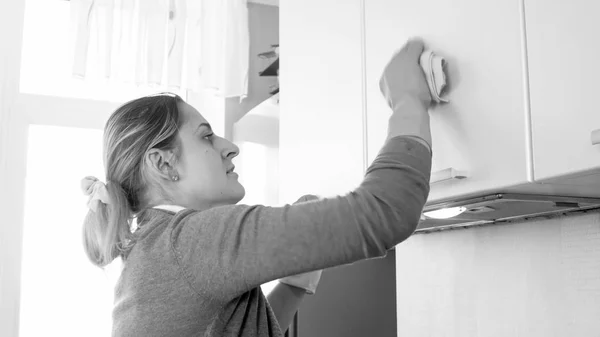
238, 193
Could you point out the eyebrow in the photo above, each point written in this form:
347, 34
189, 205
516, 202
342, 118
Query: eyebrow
205, 125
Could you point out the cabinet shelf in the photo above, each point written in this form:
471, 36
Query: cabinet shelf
271, 70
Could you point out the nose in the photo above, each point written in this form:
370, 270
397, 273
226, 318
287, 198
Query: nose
228, 149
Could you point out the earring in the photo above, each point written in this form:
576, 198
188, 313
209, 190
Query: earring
175, 177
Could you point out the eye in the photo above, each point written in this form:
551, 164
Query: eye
209, 137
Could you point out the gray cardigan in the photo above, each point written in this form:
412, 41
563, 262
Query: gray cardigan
198, 273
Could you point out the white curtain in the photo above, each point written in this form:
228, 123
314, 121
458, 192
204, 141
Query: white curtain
184, 44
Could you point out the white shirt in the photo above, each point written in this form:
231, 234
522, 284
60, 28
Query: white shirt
172, 208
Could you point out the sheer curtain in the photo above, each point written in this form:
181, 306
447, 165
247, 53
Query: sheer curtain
185, 44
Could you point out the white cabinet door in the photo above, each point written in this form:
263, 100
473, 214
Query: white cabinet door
482, 131
564, 71
321, 114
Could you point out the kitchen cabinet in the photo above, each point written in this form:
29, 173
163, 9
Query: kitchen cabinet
321, 102
563, 53
481, 133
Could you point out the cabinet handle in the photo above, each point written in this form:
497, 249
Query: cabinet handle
445, 175
595, 137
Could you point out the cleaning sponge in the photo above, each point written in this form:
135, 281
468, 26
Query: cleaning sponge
433, 67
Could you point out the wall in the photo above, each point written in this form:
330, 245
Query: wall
536, 279
12, 165
258, 161
263, 21
354, 300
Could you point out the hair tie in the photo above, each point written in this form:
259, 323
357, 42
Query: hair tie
96, 190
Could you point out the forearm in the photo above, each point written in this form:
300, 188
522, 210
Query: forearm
410, 118
285, 301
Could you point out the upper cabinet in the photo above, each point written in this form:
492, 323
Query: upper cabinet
564, 49
321, 104
522, 80
481, 133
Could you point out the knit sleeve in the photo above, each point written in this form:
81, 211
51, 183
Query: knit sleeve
227, 250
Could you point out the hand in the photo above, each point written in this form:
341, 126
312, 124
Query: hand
403, 78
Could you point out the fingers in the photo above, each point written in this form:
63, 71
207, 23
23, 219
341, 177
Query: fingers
411, 50
414, 48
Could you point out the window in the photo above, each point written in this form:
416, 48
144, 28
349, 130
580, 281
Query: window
47, 59
62, 293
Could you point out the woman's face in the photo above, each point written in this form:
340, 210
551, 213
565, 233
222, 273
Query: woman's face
204, 165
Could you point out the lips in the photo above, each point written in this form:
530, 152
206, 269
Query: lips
230, 170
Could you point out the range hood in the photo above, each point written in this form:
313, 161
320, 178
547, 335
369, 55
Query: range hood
503, 207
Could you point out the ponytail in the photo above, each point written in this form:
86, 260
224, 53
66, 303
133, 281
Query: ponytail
133, 129
107, 229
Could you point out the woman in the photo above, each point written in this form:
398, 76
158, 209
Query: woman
195, 263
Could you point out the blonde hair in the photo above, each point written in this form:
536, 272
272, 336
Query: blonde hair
133, 129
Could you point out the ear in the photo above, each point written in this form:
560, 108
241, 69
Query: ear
161, 163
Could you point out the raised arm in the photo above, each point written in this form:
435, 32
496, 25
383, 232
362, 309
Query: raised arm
225, 251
